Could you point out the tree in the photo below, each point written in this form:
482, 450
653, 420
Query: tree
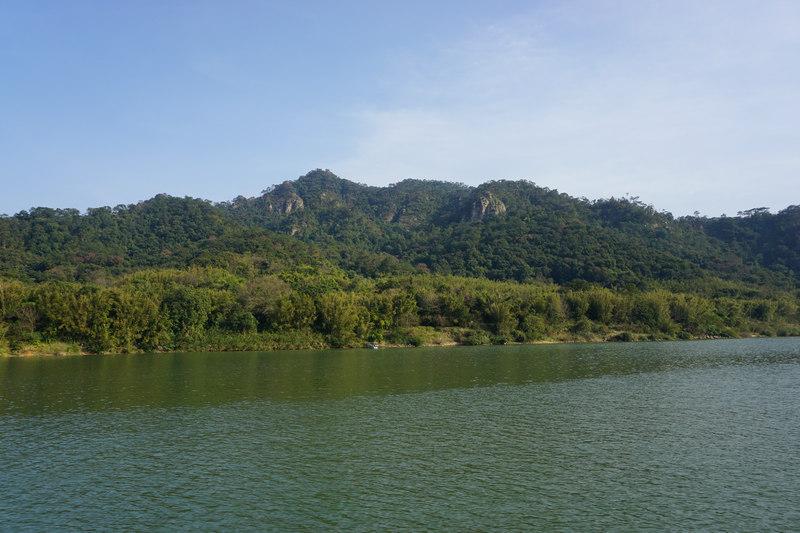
651, 310
339, 317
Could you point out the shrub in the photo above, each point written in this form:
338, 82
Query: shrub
499, 339
533, 327
476, 337
623, 336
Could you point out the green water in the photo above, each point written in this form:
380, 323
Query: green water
681, 435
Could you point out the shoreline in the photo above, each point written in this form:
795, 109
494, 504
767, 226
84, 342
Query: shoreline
36, 351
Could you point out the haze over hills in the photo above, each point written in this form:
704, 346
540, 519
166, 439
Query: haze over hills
502, 230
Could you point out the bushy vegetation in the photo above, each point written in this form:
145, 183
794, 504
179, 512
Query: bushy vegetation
210, 308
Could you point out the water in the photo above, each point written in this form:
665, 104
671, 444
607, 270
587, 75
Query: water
681, 435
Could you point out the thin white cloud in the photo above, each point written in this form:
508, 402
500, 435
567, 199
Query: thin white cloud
690, 106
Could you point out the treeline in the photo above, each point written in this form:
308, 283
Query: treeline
310, 307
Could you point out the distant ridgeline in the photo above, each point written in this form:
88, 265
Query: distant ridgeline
504, 261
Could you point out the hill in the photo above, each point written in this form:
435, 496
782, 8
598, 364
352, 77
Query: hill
516, 230
63, 244
501, 230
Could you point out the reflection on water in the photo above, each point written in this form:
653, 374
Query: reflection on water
677, 436
35, 384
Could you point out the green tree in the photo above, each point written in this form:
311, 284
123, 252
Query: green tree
600, 305
339, 317
651, 310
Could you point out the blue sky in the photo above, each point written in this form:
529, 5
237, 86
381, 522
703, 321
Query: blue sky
688, 105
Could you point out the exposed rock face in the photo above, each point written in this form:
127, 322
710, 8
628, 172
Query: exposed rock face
403, 215
285, 204
487, 205
292, 202
284, 200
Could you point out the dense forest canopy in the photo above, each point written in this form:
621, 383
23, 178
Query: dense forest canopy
502, 230
506, 260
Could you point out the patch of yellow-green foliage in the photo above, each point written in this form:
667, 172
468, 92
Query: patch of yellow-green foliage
215, 309
50, 348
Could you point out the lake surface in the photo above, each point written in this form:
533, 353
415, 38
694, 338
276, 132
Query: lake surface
677, 435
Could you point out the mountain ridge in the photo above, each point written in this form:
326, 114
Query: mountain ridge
412, 218
500, 229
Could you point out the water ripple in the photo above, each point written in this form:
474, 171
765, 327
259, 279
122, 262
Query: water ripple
660, 436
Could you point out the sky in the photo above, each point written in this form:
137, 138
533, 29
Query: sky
690, 106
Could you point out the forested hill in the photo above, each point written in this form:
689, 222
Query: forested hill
62, 244
501, 230
517, 230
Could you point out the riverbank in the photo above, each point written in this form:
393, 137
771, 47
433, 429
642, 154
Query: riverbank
421, 336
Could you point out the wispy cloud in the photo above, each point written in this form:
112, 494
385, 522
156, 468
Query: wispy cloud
690, 106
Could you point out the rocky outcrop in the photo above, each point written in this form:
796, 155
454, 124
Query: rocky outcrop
404, 215
487, 205
291, 203
284, 200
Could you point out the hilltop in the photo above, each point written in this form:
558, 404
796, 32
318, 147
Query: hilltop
519, 231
